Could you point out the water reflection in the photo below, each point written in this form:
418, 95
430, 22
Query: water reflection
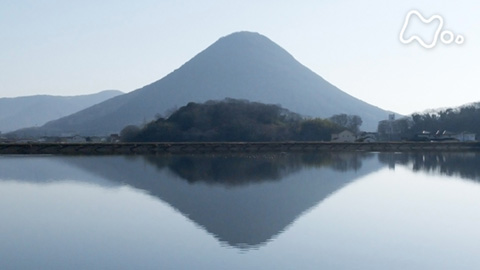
242, 169
244, 201
246, 215
460, 164
240, 211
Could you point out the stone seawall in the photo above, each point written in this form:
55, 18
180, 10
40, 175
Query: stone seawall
227, 147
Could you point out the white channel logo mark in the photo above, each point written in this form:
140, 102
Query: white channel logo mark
446, 36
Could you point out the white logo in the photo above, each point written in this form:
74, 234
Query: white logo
446, 36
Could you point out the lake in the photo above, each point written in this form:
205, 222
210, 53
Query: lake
250, 211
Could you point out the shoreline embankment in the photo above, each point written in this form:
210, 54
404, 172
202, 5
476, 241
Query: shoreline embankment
225, 147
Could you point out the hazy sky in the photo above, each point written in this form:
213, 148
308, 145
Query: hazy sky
80, 47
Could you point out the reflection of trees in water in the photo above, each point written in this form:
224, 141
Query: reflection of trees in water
235, 169
249, 198
463, 164
348, 161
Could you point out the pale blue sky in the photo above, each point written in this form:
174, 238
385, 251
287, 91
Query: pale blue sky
80, 47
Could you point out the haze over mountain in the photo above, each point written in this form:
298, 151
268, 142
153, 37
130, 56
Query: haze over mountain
242, 65
22, 112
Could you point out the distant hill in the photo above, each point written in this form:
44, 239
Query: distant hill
438, 110
446, 124
28, 111
242, 65
232, 120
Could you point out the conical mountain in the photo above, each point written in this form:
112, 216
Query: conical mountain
242, 65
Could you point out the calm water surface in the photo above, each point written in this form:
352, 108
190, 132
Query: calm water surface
259, 211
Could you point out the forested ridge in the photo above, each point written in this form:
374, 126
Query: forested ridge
232, 120
455, 120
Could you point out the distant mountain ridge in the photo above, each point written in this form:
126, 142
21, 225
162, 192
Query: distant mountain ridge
28, 111
453, 108
243, 65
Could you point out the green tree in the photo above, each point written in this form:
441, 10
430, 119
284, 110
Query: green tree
128, 133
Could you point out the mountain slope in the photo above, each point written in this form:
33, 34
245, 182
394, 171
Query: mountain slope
243, 65
21, 112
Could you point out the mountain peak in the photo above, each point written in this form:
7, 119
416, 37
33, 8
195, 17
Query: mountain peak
245, 36
243, 65
241, 44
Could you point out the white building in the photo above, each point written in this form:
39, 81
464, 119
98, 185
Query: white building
344, 136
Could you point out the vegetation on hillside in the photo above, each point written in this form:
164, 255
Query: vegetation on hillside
452, 120
350, 122
232, 120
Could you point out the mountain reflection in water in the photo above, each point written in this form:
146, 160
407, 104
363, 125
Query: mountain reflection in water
251, 211
243, 200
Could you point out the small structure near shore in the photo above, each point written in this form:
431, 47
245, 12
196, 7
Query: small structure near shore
344, 136
446, 136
